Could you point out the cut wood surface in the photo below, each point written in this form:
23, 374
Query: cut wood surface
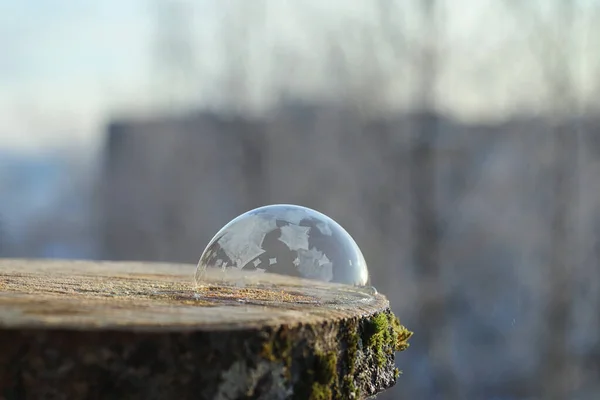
75, 329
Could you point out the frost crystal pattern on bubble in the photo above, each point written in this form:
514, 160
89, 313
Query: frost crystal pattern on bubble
289, 240
315, 265
244, 244
295, 237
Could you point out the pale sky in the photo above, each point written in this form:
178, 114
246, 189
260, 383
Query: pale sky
67, 66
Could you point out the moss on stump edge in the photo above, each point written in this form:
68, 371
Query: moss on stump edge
354, 364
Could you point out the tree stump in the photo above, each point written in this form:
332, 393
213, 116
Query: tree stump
103, 330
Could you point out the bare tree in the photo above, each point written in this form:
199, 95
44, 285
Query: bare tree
3, 238
552, 44
555, 372
555, 368
242, 23
175, 51
423, 172
389, 13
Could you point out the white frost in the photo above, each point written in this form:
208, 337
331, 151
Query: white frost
295, 236
324, 228
313, 264
295, 216
242, 241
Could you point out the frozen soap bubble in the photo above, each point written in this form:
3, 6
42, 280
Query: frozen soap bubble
289, 240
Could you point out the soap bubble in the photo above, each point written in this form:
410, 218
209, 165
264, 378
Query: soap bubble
289, 240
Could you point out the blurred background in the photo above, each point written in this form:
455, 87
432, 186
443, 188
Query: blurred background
457, 141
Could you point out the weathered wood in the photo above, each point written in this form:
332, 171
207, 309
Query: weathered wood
146, 331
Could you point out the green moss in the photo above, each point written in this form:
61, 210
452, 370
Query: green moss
380, 322
352, 349
325, 367
325, 376
349, 389
384, 334
401, 333
321, 376
352, 336
279, 348
379, 337
321, 392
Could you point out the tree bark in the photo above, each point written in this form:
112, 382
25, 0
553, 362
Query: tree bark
426, 228
556, 358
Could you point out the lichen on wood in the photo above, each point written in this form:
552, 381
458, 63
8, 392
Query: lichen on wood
143, 330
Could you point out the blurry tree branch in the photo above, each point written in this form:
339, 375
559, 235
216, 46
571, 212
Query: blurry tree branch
426, 229
391, 24
175, 51
552, 41
242, 22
